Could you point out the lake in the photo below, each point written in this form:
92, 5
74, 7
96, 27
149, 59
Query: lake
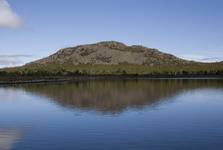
156, 114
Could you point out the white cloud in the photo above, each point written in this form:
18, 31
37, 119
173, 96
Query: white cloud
202, 58
8, 18
14, 60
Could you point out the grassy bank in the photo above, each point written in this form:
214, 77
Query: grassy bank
122, 69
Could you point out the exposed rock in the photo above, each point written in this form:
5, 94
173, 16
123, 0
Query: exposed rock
111, 52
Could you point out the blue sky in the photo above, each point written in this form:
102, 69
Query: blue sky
186, 28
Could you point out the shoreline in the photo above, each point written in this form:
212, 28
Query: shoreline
55, 79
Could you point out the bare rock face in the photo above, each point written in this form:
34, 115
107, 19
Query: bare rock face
111, 52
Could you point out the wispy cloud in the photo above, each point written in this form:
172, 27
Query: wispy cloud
202, 58
14, 56
14, 60
8, 18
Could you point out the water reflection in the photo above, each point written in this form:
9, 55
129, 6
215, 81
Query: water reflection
116, 96
8, 138
187, 115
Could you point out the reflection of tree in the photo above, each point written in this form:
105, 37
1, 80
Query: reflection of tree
116, 96
8, 138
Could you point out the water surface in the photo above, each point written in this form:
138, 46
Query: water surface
101, 115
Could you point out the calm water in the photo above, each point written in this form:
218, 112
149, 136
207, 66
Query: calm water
118, 115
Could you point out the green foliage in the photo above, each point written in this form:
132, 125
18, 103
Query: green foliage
121, 69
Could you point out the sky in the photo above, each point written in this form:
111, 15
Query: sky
32, 29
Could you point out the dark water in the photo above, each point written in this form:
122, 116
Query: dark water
116, 115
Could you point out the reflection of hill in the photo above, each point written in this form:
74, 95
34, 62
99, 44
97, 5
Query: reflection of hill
116, 96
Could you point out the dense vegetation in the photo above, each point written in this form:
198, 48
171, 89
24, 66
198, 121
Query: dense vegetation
122, 69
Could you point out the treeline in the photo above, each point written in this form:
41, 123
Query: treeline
124, 69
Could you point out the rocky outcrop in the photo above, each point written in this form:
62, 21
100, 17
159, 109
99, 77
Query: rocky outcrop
111, 52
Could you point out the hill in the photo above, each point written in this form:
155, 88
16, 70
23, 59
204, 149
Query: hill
111, 53
111, 58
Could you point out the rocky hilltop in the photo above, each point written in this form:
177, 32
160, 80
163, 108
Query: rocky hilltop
108, 60
111, 52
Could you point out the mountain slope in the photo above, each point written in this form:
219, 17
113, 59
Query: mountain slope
113, 53
110, 58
